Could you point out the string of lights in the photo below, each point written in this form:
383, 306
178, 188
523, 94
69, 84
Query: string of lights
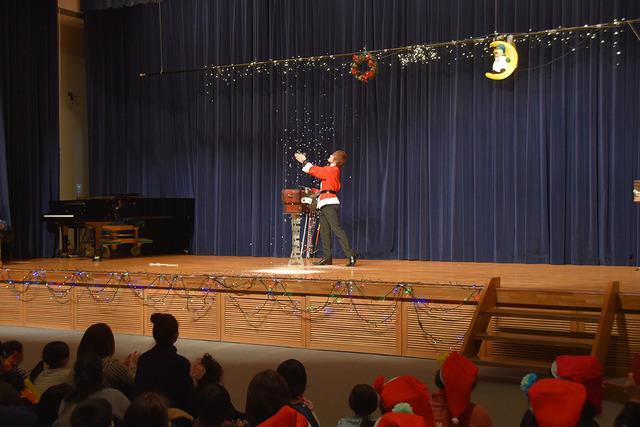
420, 53
154, 289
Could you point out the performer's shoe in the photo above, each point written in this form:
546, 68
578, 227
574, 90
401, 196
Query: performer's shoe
353, 259
324, 261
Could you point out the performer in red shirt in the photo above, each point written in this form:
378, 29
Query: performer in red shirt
329, 205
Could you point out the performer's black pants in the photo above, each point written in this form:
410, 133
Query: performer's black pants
330, 221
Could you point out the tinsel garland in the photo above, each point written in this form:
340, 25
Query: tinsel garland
199, 299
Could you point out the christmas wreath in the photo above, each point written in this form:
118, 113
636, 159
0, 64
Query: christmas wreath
366, 74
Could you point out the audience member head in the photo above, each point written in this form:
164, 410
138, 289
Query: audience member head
87, 377
165, 328
266, 394
557, 402
457, 378
363, 401
98, 339
206, 370
213, 405
13, 350
587, 371
405, 389
147, 410
54, 355
295, 375
92, 413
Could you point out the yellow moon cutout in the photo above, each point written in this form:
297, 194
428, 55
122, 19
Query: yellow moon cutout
512, 56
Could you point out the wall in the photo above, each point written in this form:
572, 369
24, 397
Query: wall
74, 163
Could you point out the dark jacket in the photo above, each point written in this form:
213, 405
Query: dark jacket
163, 370
629, 416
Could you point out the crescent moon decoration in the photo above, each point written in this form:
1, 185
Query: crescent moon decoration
505, 60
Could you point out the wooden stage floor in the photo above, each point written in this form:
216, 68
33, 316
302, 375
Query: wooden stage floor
565, 277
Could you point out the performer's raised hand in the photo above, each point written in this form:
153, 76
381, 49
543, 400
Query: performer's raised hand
300, 157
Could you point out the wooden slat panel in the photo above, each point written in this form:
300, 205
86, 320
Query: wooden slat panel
625, 342
443, 328
12, 311
530, 352
538, 339
261, 320
196, 312
530, 313
550, 298
630, 302
508, 323
49, 308
360, 326
119, 308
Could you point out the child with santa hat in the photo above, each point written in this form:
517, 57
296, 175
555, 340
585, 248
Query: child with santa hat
557, 403
452, 404
404, 402
585, 371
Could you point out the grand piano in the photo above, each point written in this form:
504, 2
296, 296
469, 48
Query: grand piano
167, 222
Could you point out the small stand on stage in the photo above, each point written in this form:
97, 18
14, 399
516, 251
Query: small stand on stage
299, 203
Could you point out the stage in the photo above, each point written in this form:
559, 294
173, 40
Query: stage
569, 277
404, 308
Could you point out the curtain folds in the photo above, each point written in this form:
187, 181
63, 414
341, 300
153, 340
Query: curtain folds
29, 105
445, 164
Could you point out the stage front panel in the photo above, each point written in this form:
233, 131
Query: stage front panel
49, 307
355, 325
12, 312
263, 319
434, 328
197, 312
120, 308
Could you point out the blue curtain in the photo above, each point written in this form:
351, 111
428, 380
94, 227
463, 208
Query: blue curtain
29, 122
445, 164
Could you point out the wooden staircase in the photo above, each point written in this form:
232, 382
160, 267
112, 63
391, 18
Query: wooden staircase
541, 306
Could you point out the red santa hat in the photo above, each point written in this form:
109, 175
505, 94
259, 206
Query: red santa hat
557, 403
286, 417
458, 374
405, 389
400, 419
585, 370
